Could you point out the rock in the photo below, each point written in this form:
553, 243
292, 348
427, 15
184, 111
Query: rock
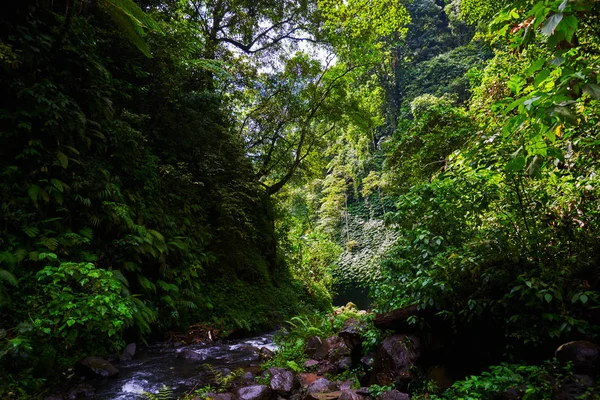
128, 352
321, 385
512, 394
304, 380
350, 395
248, 377
54, 397
395, 360
323, 396
346, 385
339, 354
80, 391
316, 348
96, 367
393, 395
584, 355
344, 363
326, 367
351, 333
265, 353
367, 360
255, 392
397, 320
573, 387
219, 396
282, 381
310, 363
191, 355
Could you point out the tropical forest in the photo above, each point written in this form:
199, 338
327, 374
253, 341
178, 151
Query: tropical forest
300, 199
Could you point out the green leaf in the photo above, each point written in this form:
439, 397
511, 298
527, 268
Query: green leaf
516, 164
592, 90
549, 26
548, 297
63, 160
583, 298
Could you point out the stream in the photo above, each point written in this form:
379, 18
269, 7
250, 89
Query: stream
181, 368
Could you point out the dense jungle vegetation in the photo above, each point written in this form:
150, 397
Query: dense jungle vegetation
234, 163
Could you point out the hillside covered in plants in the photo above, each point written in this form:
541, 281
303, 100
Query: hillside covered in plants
229, 165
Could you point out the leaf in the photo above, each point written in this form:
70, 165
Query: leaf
551, 23
562, 112
536, 66
516, 164
563, 5
34, 191
548, 297
592, 90
583, 298
63, 160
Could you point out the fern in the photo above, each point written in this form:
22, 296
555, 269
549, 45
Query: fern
164, 393
132, 21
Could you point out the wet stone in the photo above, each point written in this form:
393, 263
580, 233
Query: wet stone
255, 392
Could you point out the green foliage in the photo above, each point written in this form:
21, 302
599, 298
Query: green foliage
80, 305
534, 382
164, 393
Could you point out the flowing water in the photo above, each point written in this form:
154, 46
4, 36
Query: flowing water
180, 368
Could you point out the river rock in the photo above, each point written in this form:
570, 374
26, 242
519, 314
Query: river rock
350, 395
395, 360
128, 352
316, 348
282, 381
584, 355
82, 390
322, 396
368, 359
573, 387
219, 396
265, 353
305, 379
351, 333
393, 395
190, 355
321, 385
326, 367
96, 366
255, 392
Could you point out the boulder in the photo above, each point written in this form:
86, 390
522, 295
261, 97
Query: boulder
304, 379
248, 377
96, 367
350, 395
282, 381
326, 367
219, 396
80, 391
573, 387
584, 355
265, 353
128, 352
395, 360
323, 396
316, 348
321, 385
396, 319
393, 395
190, 355
368, 359
255, 392
351, 333
339, 354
